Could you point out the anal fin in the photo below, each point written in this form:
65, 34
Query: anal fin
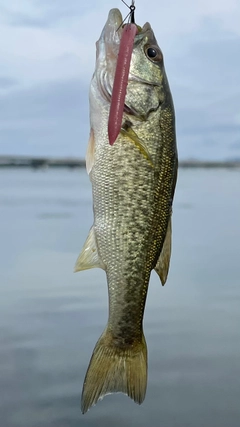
89, 257
163, 262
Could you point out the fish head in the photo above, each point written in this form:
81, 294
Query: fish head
147, 81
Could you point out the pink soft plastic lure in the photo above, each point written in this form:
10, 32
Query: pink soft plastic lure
121, 81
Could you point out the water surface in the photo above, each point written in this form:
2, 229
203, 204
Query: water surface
51, 318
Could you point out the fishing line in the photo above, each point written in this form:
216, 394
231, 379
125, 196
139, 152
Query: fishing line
132, 8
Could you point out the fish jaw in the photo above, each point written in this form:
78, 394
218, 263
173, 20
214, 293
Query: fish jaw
107, 48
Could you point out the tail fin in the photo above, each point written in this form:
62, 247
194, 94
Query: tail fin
113, 369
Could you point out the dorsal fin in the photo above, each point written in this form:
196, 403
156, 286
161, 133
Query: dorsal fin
90, 155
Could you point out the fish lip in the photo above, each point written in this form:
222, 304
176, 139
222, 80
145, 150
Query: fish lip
115, 20
146, 27
108, 43
138, 79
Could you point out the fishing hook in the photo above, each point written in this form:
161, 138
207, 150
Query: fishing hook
132, 8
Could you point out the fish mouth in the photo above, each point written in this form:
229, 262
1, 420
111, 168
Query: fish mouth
107, 54
113, 27
109, 41
107, 48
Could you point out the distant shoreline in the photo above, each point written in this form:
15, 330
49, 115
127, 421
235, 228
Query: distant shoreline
47, 162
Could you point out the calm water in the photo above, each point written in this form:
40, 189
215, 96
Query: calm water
51, 318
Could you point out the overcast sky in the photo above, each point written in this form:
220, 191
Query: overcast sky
47, 56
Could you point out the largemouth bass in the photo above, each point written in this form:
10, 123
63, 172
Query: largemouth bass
133, 183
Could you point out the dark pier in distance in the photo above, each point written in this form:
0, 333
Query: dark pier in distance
73, 162
40, 162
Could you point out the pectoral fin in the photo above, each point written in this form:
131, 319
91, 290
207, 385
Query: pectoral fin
90, 155
89, 257
163, 262
129, 132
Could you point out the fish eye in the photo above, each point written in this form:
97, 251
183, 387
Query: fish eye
153, 53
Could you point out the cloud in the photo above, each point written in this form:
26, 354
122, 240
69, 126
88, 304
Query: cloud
21, 20
206, 92
44, 13
47, 56
7, 82
50, 119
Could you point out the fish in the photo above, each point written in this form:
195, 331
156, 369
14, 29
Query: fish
133, 185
